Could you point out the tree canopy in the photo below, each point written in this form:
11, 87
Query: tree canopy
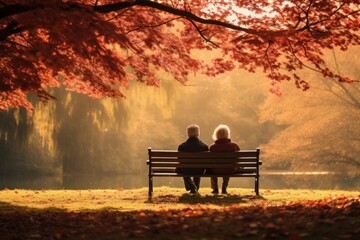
96, 47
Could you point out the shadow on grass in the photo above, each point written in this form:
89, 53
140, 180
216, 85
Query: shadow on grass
228, 199
7, 207
10, 208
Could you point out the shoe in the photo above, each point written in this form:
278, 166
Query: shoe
193, 191
215, 191
223, 191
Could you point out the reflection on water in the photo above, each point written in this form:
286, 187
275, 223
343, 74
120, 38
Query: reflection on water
105, 182
30, 182
297, 173
268, 180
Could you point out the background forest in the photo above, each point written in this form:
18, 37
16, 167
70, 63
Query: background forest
315, 130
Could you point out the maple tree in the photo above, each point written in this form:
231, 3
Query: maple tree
97, 47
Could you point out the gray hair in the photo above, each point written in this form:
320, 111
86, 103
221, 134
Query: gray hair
193, 130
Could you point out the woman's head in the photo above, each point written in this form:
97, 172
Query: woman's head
221, 132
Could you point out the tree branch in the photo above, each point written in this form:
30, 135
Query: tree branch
336, 94
9, 10
355, 102
266, 55
188, 15
18, 44
201, 34
117, 15
299, 60
9, 30
309, 25
152, 26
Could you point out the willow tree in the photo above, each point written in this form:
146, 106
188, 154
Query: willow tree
320, 127
97, 47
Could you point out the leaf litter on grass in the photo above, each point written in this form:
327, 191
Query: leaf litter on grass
328, 218
182, 216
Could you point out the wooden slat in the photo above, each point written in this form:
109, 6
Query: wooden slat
246, 171
174, 154
181, 165
164, 170
204, 175
213, 165
204, 162
171, 168
200, 160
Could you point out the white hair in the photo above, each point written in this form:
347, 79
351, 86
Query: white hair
221, 132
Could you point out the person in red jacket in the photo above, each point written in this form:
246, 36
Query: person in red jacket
222, 143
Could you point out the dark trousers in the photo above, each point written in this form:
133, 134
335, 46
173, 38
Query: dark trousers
214, 182
191, 183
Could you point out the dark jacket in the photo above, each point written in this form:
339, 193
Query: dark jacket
193, 144
224, 145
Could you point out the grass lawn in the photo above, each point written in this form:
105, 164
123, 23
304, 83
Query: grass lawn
164, 198
172, 213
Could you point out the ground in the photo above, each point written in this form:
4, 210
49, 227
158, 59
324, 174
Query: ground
172, 213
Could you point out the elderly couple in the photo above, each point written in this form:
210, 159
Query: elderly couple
222, 143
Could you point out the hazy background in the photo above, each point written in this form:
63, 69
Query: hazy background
79, 142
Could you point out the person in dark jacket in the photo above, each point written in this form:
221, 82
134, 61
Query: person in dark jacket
222, 143
193, 144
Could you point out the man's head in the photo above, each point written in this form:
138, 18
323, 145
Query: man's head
193, 130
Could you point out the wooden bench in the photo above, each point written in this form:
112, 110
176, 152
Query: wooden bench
162, 163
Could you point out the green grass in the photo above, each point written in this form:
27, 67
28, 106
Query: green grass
164, 198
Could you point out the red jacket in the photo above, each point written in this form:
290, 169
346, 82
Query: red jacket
224, 145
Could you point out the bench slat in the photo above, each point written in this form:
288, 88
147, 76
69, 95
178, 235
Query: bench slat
200, 160
204, 175
213, 165
171, 171
205, 161
171, 153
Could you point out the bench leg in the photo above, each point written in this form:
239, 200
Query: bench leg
257, 185
150, 187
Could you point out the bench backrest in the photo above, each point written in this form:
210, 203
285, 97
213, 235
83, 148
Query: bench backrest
172, 158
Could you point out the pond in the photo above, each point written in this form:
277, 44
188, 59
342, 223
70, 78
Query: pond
268, 180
